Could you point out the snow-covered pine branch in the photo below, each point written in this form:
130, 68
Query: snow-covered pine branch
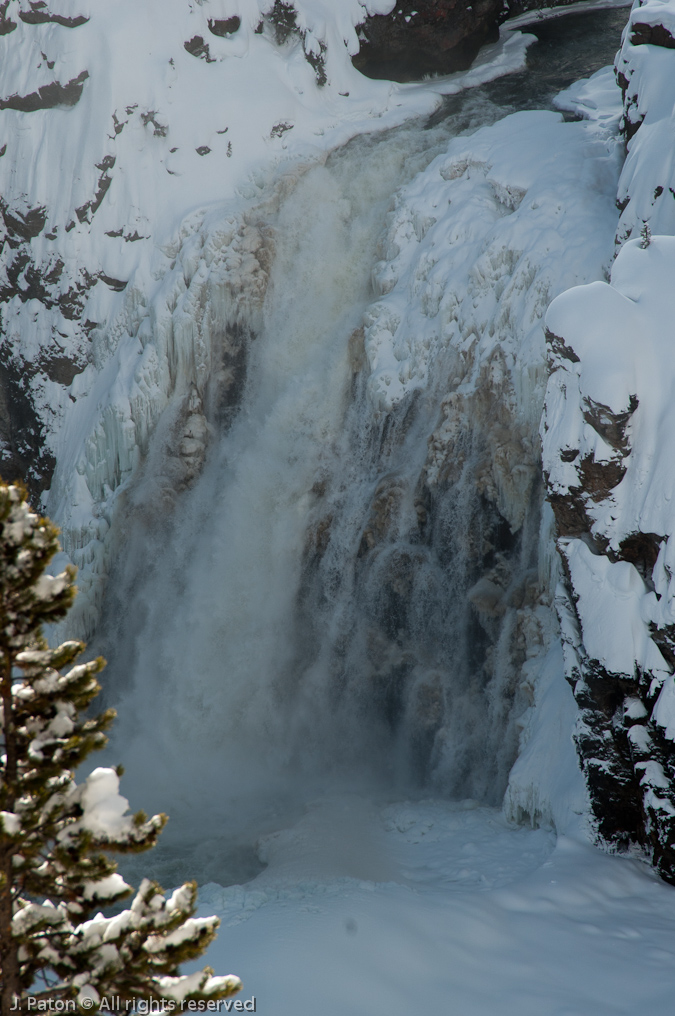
54, 834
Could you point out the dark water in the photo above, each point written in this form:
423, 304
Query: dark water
568, 47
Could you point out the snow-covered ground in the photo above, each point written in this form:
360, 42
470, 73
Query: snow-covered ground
431, 907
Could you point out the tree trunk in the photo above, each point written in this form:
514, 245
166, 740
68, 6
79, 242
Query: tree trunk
9, 959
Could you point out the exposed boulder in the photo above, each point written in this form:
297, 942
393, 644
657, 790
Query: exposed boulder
6, 23
42, 16
225, 27
24, 454
651, 35
421, 37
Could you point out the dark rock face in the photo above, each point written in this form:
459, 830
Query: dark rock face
24, 453
44, 17
6, 24
626, 757
651, 35
427, 37
48, 96
626, 753
224, 28
197, 47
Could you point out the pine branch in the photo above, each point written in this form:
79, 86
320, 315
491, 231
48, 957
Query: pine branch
55, 835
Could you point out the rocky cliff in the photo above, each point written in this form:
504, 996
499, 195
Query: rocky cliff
608, 461
645, 73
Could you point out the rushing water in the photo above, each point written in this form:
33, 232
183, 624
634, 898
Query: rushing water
301, 621
568, 47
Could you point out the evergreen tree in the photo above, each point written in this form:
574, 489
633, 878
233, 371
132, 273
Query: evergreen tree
55, 872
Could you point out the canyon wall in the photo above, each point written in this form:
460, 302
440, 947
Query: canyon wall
607, 437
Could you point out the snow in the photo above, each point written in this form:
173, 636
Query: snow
506, 187
105, 813
10, 823
644, 189
106, 888
596, 98
545, 784
613, 606
465, 914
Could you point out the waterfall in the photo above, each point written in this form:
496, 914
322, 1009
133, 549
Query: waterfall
330, 564
232, 606
329, 567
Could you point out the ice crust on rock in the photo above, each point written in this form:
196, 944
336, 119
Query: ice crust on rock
621, 334
477, 247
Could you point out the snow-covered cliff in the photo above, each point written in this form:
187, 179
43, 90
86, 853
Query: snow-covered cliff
117, 122
608, 461
644, 69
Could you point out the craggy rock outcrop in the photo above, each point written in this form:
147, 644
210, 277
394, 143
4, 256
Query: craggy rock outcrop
645, 72
610, 470
421, 37
48, 96
34, 279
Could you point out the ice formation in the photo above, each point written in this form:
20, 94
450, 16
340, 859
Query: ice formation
319, 595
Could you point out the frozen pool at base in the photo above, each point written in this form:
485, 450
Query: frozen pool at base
430, 907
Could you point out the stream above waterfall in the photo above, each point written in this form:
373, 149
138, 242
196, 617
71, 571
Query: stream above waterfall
569, 46
349, 591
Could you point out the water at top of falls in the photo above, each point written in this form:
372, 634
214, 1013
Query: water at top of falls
569, 47
300, 621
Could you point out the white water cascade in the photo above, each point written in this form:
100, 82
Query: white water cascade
349, 592
229, 661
